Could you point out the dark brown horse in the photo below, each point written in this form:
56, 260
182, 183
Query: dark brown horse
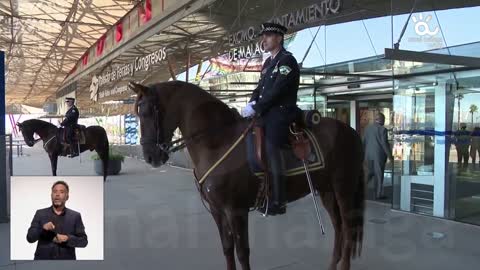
231, 188
95, 139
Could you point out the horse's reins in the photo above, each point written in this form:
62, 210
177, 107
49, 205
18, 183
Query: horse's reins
46, 143
167, 147
244, 133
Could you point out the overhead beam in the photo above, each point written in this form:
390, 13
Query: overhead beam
36, 19
171, 67
426, 57
358, 75
73, 10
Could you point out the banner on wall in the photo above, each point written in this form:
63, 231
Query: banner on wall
118, 73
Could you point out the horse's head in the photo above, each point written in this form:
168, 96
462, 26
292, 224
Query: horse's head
27, 132
154, 133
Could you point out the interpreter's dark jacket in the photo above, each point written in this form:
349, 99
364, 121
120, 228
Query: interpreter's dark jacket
68, 223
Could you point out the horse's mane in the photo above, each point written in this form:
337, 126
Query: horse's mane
38, 123
180, 88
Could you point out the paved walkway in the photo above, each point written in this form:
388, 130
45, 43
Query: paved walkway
154, 220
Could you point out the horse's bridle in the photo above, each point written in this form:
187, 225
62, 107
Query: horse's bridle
157, 140
169, 147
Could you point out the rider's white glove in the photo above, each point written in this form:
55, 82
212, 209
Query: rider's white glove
248, 110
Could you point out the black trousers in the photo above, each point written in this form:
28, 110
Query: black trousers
473, 153
276, 166
462, 156
70, 134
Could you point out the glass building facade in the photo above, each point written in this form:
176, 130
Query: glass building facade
429, 88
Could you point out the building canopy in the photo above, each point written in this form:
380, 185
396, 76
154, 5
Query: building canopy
158, 39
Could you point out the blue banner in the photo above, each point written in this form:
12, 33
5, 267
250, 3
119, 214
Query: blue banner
131, 129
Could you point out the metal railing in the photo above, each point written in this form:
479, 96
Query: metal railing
6, 146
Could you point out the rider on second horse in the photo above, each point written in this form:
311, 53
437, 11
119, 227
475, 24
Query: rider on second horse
274, 101
70, 123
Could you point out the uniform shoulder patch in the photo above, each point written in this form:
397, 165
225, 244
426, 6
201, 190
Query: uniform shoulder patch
284, 70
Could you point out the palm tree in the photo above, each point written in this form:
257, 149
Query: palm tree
459, 97
473, 109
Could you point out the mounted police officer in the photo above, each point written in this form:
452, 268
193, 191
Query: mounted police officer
70, 123
274, 101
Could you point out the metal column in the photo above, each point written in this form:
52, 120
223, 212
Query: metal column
3, 158
354, 115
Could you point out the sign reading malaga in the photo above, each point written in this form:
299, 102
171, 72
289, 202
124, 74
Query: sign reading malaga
129, 69
306, 15
250, 50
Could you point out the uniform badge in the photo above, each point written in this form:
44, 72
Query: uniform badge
275, 69
284, 70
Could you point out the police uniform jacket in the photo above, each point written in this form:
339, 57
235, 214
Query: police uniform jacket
71, 117
276, 95
68, 223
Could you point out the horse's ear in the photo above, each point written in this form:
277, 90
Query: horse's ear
138, 88
19, 124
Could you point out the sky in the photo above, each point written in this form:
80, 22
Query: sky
367, 38
360, 39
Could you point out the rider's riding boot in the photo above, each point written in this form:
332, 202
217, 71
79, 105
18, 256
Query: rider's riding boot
73, 150
277, 204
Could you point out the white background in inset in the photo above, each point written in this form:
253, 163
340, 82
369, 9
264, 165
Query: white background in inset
30, 193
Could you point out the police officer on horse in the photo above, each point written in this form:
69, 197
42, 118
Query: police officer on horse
274, 102
70, 123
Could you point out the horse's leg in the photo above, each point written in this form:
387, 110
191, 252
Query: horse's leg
53, 162
330, 203
227, 238
345, 194
238, 220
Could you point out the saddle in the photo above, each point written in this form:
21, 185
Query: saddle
79, 134
302, 145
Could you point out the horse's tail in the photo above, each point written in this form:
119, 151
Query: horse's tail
102, 147
106, 158
359, 217
359, 204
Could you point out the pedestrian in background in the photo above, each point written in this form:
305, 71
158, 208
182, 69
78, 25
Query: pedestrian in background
377, 150
475, 146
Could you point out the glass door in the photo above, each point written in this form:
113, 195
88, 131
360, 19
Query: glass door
463, 185
414, 148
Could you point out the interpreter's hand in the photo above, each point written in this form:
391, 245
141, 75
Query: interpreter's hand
248, 110
60, 238
48, 226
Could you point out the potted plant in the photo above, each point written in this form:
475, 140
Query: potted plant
114, 163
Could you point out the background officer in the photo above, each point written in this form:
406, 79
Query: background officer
274, 100
377, 150
70, 122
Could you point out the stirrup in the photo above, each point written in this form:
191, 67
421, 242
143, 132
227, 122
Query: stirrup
264, 208
265, 214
